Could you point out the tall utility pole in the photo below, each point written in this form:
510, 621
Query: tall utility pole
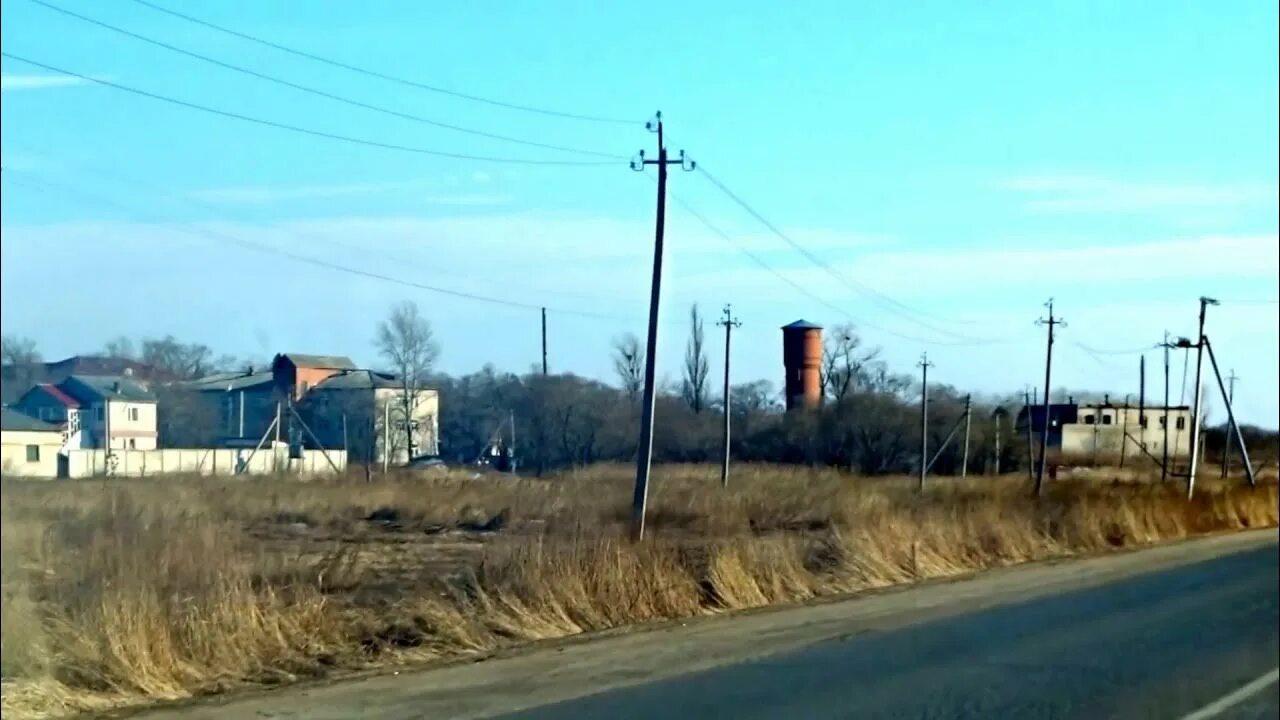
1226, 439
1195, 413
968, 413
544, 341
644, 452
1142, 403
998, 414
1164, 414
924, 417
729, 322
1031, 453
1051, 323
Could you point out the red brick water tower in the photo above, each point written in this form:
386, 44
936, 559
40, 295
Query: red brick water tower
802, 358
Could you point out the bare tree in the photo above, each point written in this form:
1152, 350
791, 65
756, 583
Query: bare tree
22, 367
845, 364
120, 347
182, 360
628, 361
694, 388
405, 340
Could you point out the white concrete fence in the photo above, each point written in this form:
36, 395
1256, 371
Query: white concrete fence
201, 461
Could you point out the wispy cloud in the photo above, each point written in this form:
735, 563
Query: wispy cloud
467, 200
265, 194
10, 83
1088, 193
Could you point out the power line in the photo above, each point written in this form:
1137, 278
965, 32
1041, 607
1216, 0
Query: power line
321, 93
386, 76
885, 301
1128, 351
706, 222
797, 286
295, 128
318, 262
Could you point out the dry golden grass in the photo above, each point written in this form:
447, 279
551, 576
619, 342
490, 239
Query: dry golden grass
135, 590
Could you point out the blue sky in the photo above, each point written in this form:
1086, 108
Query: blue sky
966, 160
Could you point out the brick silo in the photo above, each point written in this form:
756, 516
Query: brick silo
802, 358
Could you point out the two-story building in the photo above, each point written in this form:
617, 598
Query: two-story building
96, 411
341, 406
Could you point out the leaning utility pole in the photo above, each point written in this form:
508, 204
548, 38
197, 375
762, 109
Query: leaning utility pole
729, 322
968, 413
544, 341
1231, 417
1195, 413
644, 452
1226, 439
924, 417
998, 444
1051, 323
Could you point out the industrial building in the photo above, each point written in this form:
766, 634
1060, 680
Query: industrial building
1105, 432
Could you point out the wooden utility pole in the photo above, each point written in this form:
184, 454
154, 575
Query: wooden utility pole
1226, 439
1031, 453
544, 341
1164, 414
1051, 323
924, 417
1195, 412
729, 322
644, 452
1142, 403
998, 414
968, 412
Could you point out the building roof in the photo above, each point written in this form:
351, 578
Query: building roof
358, 380
14, 420
58, 394
228, 381
93, 388
802, 325
100, 365
324, 362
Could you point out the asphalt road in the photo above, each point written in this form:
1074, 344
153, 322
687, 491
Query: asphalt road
1161, 645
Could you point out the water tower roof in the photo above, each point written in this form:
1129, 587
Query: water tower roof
802, 325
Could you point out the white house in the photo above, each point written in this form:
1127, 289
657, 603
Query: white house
28, 447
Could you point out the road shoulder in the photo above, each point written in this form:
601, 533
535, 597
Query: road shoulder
553, 672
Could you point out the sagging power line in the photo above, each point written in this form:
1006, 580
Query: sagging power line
888, 303
386, 76
297, 128
322, 93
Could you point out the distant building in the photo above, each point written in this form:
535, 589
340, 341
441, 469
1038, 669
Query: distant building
96, 411
339, 406
1103, 432
28, 447
18, 379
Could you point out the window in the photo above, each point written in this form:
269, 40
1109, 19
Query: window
1164, 420
133, 444
1088, 419
101, 414
133, 413
1106, 419
1142, 421
33, 453
1181, 423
